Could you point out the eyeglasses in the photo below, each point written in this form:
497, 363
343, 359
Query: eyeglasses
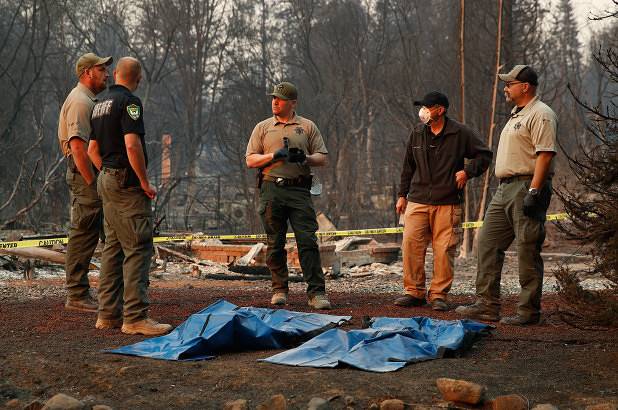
511, 83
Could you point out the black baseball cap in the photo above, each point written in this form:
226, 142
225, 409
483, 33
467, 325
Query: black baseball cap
433, 98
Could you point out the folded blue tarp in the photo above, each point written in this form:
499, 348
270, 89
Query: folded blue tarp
224, 327
388, 345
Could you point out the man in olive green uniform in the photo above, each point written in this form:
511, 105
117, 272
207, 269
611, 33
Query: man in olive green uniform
284, 147
86, 211
524, 168
117, 147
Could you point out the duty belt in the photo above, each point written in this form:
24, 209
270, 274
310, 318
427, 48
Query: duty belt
514, 178
301, 181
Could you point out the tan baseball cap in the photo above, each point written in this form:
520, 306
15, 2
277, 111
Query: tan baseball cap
90, 60
285, 91
521, 72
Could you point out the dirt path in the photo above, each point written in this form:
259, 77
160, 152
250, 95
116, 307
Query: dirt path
45, 350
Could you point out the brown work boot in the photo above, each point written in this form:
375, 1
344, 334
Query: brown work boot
279, 298
439, 304
409, 300
108, 323
146, 327
518, 320
319, 301
87, 304
478, 311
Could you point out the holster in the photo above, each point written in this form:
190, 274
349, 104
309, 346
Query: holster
259, 178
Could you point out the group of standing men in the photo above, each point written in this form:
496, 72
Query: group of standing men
442, 154
430, 196
103, 140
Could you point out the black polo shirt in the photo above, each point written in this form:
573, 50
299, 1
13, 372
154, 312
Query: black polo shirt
117, 113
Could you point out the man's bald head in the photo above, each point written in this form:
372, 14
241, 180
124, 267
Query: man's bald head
128, 72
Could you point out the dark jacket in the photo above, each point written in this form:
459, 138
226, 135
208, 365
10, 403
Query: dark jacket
431, 161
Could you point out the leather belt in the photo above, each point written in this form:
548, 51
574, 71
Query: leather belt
301, 181
514, 178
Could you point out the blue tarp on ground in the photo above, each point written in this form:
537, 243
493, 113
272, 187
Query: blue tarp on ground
387, 345
224, 327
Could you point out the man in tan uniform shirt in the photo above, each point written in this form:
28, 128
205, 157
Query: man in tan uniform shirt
285, 147
524, 167
86, 210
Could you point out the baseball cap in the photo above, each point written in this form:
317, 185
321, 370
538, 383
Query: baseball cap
521, 72
90, 60
433, 98
285, 91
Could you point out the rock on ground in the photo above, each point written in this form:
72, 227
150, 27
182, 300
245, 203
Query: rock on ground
240, 404
545, 406
509, 402
63, 402
460, 390
276, 402
392, 404
318, 403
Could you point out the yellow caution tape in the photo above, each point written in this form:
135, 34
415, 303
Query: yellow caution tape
557, 217
34, 243
31, 243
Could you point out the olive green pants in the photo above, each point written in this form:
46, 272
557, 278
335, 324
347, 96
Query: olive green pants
505, 222
278, 204
86, 225
128, 250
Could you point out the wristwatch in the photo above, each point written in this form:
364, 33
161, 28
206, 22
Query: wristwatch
533, 191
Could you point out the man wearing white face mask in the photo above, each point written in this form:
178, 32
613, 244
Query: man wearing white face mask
432, 181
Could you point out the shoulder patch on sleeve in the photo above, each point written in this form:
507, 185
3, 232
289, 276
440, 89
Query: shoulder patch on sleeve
133, 111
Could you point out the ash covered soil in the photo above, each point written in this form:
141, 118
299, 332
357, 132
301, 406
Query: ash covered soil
45, 350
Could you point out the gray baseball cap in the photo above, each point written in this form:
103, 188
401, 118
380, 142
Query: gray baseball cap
521, 72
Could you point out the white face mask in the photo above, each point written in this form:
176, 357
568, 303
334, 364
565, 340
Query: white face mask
425, 115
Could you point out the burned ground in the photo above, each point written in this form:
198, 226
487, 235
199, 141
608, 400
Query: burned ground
45, 350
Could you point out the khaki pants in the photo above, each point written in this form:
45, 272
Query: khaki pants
505, 222
440, 225
86, 218
125, 262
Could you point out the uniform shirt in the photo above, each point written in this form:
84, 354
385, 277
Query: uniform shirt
267, 137
74, 120
529, 131
118, 113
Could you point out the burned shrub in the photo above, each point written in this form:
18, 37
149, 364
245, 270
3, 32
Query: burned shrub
592, 206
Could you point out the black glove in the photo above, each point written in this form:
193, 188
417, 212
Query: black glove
531, 205
297, 155
281, 153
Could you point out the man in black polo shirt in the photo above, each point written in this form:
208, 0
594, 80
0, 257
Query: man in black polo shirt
432, 179
117, 148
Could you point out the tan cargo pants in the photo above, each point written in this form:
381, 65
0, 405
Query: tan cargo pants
440, 225
125, 262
